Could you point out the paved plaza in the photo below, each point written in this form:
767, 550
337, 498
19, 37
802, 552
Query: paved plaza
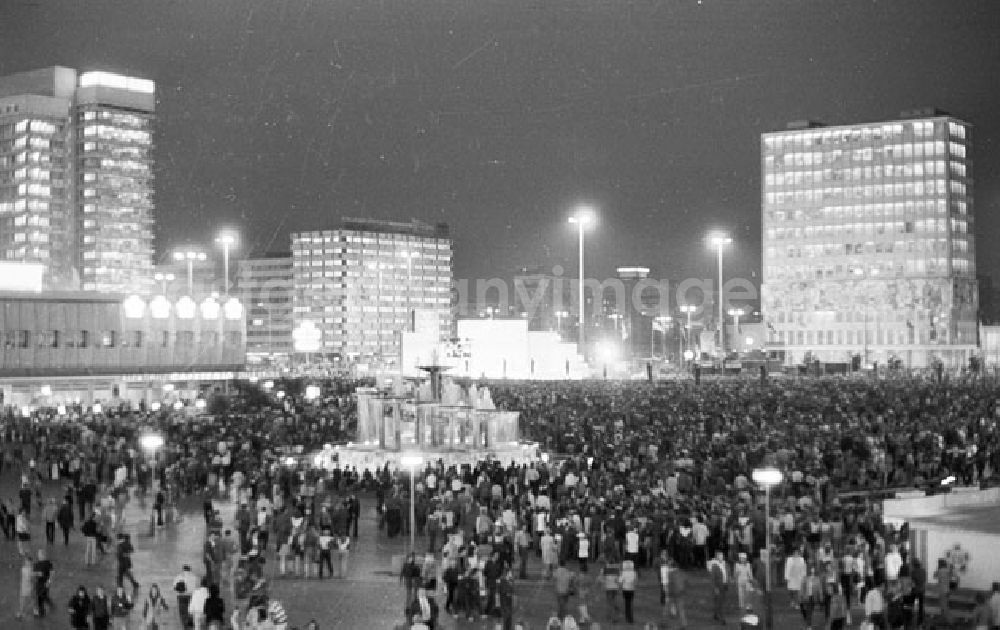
370, 598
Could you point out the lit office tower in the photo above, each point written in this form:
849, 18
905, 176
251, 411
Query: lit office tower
76, 177
868, 241
36, 172
363, 284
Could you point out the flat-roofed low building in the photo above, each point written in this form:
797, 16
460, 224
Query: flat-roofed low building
77, 345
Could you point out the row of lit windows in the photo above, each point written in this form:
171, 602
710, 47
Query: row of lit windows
24, 254
21, 205
33, 142
909, 189
26, 157
33, 237
115, 117
865, 154
399, 240
879, 171
876, 336
861, 133
80, 339
835, 234
36, 126
907, 267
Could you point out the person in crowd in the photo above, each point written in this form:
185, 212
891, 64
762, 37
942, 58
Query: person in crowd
121, 608
215, 609
26, 593
80, 609
100, 606
184, 586
43, 570
196, 607
153, 608
627, 581
719, 574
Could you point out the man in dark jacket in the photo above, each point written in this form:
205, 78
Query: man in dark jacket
65, 519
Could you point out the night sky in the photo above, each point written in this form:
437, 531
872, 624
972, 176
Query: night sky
499, 117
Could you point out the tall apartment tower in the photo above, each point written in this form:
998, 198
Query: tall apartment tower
76, 180
868, 241
364, 283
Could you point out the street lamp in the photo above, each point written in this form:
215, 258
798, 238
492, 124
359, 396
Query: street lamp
735, 313
688, 309
412, 461
719, 241
228, 240
767, 477
163, 279
190, 256
860, 272
151, 442
581, 220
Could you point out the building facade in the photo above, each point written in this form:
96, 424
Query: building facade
81, 341
364, 284
76, 177
265, 286
868, 241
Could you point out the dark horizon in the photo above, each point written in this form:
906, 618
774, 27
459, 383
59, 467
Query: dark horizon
498, 118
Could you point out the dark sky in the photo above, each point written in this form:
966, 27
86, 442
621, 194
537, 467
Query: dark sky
498, 117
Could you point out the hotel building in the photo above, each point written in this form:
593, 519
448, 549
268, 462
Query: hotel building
868, 241
76, 181
364, 284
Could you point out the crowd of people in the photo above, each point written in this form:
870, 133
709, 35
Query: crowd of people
644, 488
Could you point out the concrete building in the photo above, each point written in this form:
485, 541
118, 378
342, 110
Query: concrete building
868, 241
61, 347
76, 177
365, 283
265, 286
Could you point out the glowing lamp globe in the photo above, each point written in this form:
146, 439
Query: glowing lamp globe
233, 309
210, 308
186, 308
134, 307
151, 441
159, 307
767, 476
411, 460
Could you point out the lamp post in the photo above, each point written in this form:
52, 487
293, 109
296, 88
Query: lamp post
412, 461
190, 256
687, 309
719, 241
860, 272
735, 313
767, 477
582, 219
151, 443
227, 240
163, 279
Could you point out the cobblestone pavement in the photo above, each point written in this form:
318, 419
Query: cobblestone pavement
370, 598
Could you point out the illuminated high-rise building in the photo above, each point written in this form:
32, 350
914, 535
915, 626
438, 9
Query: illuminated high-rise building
76, 181
868, 244
366, 283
